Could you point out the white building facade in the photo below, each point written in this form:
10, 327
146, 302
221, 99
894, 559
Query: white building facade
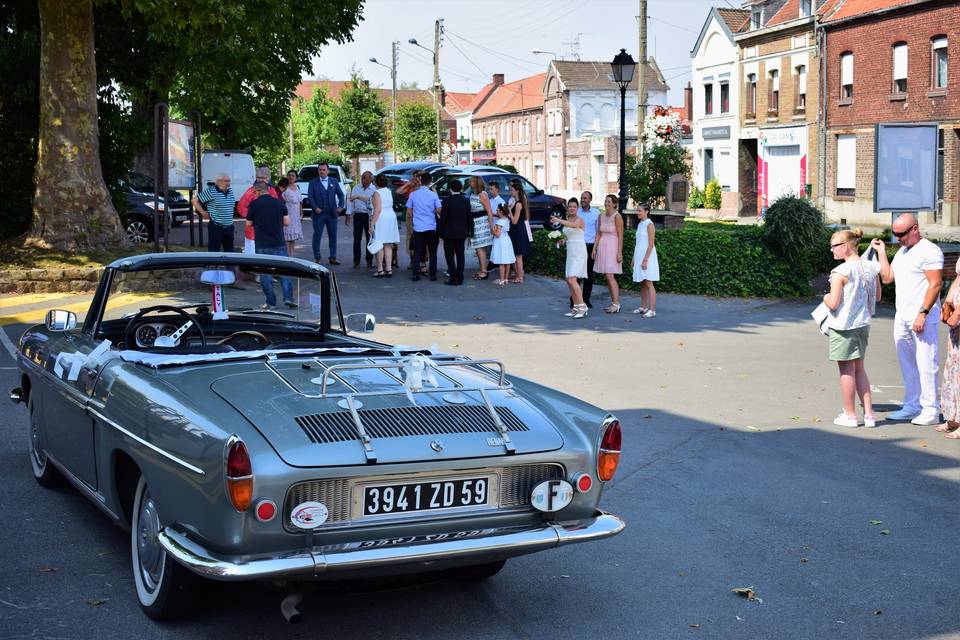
716, 105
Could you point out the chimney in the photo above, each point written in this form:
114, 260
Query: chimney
688, 102
497, 79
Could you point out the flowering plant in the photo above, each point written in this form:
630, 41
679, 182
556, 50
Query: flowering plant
556, 237
661, 127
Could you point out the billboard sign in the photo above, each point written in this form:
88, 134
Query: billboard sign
905, 161
181, 155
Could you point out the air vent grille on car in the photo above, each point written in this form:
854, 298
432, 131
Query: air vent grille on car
409, 421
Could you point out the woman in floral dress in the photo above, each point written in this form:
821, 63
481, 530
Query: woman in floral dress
293, 200
950, 387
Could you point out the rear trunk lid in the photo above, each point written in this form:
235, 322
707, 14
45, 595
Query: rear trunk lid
283, 401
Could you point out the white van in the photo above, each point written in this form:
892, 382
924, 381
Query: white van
236, 164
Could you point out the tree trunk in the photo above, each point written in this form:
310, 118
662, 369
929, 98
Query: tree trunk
71, 206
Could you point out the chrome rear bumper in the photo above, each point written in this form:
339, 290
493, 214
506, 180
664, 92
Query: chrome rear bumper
311, 563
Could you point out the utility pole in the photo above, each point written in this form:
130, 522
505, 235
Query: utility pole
395, 45
437, 29
642, 78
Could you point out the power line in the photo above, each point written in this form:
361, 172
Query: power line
670, 24
570, 8
506, 56
451, 41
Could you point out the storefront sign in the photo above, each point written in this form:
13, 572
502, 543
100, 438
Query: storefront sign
716, 133
785, 137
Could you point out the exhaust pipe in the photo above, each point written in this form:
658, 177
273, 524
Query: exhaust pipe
16, 395
288, 607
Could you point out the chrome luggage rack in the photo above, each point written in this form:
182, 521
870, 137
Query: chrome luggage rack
348, 399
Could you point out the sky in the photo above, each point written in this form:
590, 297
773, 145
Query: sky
484, 37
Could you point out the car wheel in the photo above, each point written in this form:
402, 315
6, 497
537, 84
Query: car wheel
138, 232
483, 571
44, 472
559, 212
164, 588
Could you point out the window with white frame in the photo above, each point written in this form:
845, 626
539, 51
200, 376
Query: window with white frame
756, 18
773, 104
539, 129
805, 8
939, 62
900, 68
800, 90
846, 165
752, 95
846, 77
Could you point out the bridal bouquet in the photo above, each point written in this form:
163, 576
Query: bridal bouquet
556, 237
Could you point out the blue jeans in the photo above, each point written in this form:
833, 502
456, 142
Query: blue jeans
266, 281
321, 220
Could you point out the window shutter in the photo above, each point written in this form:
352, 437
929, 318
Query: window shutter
900, 62
802, 72
775, 79
847, 161
940, 42
846, 68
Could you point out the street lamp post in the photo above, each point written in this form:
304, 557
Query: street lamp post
393, 94
623, 67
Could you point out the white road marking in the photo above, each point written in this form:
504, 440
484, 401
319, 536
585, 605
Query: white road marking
7, 344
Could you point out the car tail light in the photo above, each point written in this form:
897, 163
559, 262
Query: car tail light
239, 475
609, 456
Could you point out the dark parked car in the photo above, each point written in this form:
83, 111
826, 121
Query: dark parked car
139, 218
542, 206
141, 184
402, 172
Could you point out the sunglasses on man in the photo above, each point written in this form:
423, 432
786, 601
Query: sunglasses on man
903, 233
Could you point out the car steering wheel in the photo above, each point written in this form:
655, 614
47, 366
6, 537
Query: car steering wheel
243, 338
128, 333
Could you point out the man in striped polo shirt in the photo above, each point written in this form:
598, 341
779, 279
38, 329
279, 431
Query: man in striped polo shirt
216, 204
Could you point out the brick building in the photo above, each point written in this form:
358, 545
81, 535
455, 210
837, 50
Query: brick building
463, 109
890, 61
505, 126
779, 69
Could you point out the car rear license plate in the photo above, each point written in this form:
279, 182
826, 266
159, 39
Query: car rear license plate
425, 496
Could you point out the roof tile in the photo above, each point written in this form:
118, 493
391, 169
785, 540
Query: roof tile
519, 95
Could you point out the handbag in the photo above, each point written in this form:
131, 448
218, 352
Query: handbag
529, 230
946, 311
821, 315
374, 246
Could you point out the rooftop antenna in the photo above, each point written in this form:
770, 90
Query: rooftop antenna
574, 46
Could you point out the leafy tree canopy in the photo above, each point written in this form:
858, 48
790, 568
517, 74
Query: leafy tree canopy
360, 120
416, 134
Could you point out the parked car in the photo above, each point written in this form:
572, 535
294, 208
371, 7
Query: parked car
139, 218
542, 206
310, 171
478, 168
236, 164
252, 444
180, 208
401, 173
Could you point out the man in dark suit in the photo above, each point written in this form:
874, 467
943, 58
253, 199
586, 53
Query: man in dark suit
454, 226
326, 200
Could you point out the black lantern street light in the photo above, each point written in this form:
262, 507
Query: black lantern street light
623, 67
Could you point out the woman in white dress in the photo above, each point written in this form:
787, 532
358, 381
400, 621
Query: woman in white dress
383, 227
294, 202
501, 254
646, 267
576, 266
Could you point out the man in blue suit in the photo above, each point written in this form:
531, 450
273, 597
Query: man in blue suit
326, 200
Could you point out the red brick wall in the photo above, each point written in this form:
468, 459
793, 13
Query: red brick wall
871, 41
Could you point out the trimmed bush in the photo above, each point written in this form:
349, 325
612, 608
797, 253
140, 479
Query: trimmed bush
695, 201
712, 195
716, 260
795, 230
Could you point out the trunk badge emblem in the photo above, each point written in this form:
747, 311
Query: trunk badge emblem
437, 446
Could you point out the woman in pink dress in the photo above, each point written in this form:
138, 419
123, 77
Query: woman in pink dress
294, 200
608, 249
950, 387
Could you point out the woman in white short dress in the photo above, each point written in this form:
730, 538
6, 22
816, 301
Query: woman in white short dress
384, 228
576, 266
501, 253
646, 267
294, 202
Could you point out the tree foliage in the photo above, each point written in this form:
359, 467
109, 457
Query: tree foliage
360, 120
416, 134
647, 178
794, 229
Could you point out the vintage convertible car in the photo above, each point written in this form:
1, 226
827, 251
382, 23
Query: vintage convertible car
246, 443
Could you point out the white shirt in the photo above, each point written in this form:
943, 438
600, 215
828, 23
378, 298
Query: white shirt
591, 218
909, 277
495, 203
859, 297
359, 206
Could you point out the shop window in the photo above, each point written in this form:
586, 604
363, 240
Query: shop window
846, 78
900, 68
939, 62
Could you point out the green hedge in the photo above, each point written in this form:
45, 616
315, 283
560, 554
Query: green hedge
716, 260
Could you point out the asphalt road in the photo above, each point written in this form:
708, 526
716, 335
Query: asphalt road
732, 476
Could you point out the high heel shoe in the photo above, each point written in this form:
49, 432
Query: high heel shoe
580, 311
613, 308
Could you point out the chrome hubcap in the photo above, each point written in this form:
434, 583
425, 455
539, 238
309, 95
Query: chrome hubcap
148, 547
137, 232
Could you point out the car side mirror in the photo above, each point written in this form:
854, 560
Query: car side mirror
360, 323
538, 192
61, 320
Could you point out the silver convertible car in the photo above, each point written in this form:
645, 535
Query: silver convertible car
238, 441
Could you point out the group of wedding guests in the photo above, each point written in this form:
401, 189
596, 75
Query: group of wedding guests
917, 272
594, 243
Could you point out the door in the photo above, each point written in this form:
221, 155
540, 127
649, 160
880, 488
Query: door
707, 166
783, 171
598, 177
68, 428
538, 174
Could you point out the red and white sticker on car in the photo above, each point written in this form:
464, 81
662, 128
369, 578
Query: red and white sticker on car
309, 515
